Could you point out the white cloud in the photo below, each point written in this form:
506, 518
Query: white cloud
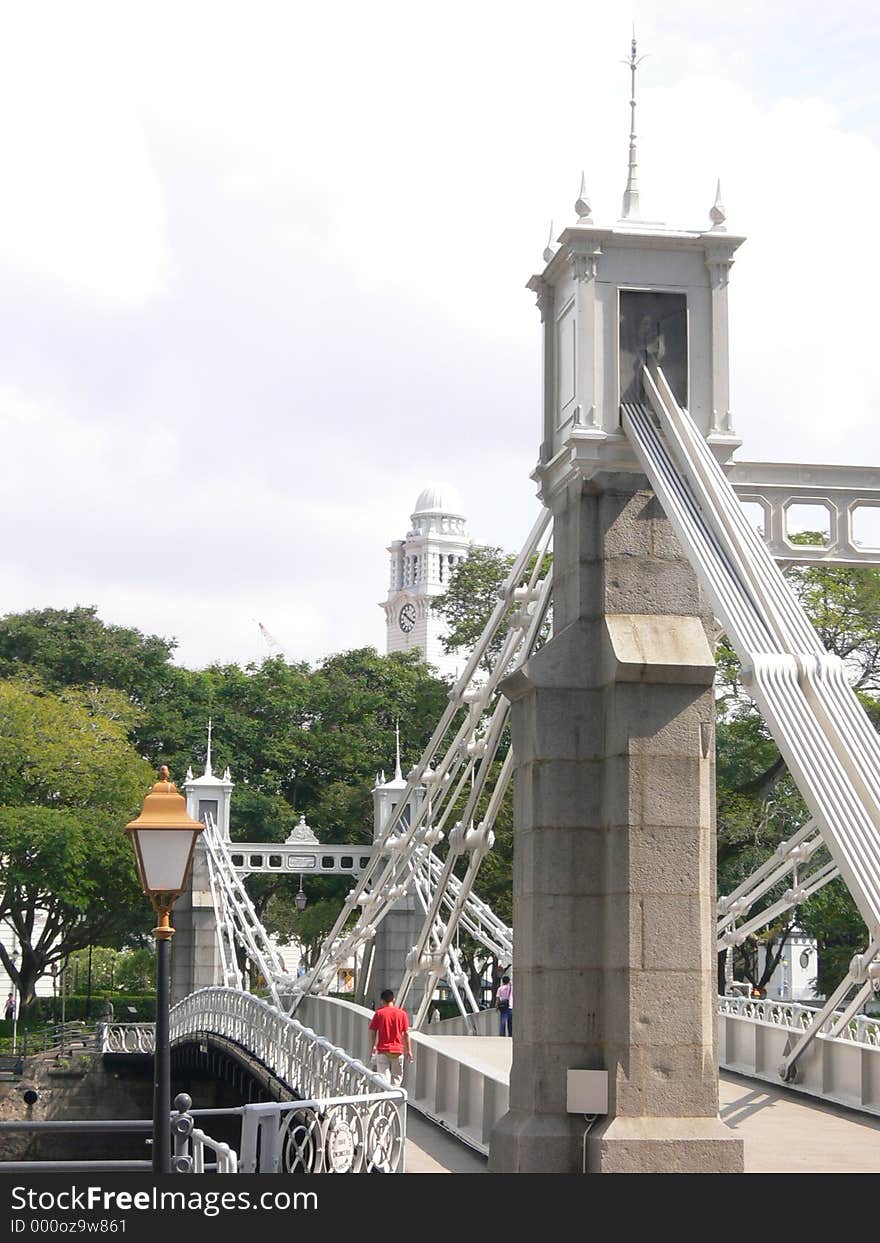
82, 206
262, 277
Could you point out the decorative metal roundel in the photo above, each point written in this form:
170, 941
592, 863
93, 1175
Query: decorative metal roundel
406, 618
341, 1147
805, 958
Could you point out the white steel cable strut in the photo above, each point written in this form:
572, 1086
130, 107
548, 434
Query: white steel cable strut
459, 766
822, 731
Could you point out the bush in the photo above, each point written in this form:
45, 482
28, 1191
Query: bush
48, 1009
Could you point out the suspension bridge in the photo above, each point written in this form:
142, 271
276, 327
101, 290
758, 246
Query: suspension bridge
435, 827
590, 690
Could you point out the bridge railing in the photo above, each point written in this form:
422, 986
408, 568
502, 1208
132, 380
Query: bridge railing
311, 1065
451, 1085
861, 1029
754, 1036
126, 1037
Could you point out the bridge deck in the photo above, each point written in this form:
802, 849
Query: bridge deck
783, 1131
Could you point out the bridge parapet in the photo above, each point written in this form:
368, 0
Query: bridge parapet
754, 1037
451, 1083
310, 1064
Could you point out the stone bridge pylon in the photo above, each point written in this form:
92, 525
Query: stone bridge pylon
613, 726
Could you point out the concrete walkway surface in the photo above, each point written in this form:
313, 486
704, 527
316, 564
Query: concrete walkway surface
784, 1132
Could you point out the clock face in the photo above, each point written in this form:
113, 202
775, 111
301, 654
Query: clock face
406, 618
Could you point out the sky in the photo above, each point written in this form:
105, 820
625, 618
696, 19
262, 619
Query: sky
263, 267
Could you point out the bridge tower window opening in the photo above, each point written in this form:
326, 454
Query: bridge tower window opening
653, 326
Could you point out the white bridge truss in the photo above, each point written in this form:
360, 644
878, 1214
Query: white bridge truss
442, 826
824, 734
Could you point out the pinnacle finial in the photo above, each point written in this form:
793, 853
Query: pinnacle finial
582, 205
209, 772
549, 249
398, 775
631, 193
717, 212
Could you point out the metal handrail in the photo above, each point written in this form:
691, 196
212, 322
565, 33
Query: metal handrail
861, 1029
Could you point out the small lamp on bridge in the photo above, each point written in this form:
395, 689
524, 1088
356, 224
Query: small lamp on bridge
300, 900
164, 837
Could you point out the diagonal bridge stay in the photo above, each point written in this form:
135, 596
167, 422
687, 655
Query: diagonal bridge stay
821, 729
454, 792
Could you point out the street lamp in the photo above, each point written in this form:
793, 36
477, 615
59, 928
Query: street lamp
163, 837
300, 900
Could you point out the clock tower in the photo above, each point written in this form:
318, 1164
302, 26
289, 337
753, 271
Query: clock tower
421, 566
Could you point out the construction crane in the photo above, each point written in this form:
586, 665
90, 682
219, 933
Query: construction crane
271, 642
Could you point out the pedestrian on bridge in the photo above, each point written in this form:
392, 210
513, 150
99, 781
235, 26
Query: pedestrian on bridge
390, 1028
504, 1004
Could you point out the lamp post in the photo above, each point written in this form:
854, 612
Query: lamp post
16, 997
163, 837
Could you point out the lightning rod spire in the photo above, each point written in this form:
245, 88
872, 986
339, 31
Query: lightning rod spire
631, 193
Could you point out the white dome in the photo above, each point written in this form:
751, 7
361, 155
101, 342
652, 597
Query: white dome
439, 498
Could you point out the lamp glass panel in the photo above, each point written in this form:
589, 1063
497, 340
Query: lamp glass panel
165, 855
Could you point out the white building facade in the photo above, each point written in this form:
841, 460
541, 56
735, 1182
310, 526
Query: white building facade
421, 566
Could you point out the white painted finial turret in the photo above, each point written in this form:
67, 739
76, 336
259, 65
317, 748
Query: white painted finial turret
717, 213
549, 249
398, 775
631, 193
209, 772
582, 206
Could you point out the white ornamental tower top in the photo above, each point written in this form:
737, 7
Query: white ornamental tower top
611, 298
387, 795
209, 794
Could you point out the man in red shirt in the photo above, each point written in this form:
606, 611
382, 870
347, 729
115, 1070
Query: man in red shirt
390, 1028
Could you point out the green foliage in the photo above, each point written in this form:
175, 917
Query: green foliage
69, 781
67, 751
134, 971
113, 971
76, 868
73, 647
758, 803
48, 1009
832, 918
308, 928
472, 595
297, 739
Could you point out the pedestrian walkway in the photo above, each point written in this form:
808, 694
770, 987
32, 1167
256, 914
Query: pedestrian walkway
431, 1150
783, 1131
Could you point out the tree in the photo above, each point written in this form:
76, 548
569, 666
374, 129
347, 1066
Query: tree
309, 928
759, 805
471, 597
134, 970
73, 647
69, 781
